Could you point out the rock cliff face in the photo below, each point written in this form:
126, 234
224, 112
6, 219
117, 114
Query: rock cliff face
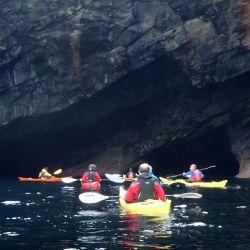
116, 82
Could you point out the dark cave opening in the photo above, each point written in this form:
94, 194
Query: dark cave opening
210, 148
30, 143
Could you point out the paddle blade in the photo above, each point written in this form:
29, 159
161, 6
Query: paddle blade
115, 178
188, 196
58, 171
92, 197
68, 180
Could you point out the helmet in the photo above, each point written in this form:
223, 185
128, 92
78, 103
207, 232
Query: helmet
92, 167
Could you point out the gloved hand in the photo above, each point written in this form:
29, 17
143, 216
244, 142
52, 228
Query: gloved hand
184, 174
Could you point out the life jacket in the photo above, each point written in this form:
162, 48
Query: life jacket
45, 175
146, 189
197, 177
42, 175
91, 176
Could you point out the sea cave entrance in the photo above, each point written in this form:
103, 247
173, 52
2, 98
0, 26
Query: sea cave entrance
210, 148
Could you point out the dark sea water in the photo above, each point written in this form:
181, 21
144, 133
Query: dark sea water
50, 216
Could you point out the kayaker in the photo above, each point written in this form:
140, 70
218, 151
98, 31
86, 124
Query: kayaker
44, 174
91, 175
145, 187
194, 175
130, 174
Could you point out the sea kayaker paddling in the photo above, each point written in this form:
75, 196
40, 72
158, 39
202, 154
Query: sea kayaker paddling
44, 174
131, 174
145, 187
91, 175
194, 175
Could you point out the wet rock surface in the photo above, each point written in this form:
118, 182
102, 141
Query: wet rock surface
113, 81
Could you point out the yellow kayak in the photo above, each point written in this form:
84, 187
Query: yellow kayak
148, 207
212, 184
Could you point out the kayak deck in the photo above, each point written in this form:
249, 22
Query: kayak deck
55, 179
212, 184
147, 208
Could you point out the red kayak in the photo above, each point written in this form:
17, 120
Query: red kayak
95, 186
54, 179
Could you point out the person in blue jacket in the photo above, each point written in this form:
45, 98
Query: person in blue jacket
194, 175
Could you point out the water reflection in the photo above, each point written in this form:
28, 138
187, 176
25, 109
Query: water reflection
68, 192
146, 232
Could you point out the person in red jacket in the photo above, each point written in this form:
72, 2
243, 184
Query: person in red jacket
91, 175
145, 187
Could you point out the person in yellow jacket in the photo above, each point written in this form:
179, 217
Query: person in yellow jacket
45, 174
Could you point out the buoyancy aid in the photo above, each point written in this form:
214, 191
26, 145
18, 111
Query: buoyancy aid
197, 176
45, 175
91, 176
146, 189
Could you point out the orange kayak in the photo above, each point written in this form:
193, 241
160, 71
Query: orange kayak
54, 179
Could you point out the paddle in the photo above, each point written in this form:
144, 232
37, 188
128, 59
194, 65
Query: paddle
186, 195
173, 176
71, 180
115, 178
92, 197
58, 171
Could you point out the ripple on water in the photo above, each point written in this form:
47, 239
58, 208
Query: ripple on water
181, 206
9, 234
11, 202
30, 203
234, 187
68, 188
90, 213
194, 224
19, 218
93, 239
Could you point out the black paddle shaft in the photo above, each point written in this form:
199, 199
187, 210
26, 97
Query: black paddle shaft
173, 176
